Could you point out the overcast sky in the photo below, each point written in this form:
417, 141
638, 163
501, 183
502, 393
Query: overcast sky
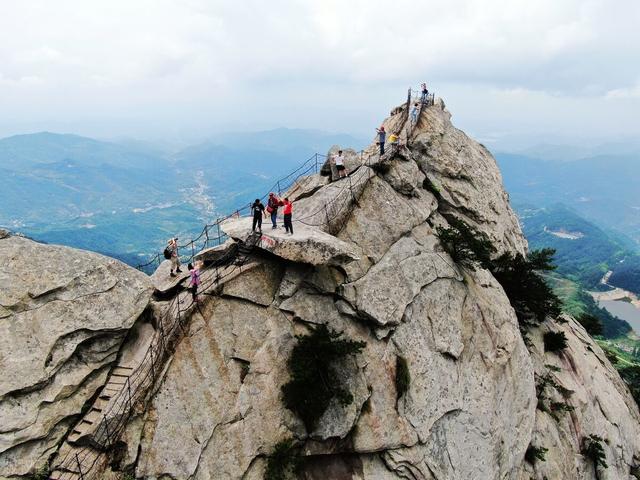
181, 69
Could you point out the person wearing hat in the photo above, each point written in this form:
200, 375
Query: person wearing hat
175, 258
382, 136
272, 208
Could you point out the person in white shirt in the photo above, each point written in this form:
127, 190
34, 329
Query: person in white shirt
339, 162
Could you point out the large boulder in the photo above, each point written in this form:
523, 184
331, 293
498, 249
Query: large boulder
306, 245
64, 316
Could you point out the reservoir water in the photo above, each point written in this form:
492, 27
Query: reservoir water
623, 310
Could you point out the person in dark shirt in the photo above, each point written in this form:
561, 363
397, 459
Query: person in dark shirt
257, 208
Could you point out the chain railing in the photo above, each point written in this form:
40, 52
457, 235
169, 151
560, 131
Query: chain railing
211, 234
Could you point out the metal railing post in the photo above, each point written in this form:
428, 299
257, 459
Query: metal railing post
129, 392
106, 427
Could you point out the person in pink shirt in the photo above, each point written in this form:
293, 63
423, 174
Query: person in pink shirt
194, 282
288, 211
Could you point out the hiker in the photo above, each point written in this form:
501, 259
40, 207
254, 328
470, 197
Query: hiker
288, 210
425, 94
394, 141
272, 207
414, 114
172, 249
382, 135
339, 162
258, 210
194, 271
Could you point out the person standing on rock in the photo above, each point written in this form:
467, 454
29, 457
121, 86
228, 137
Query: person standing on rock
382, 136
288, 212
272, 207
339, 162
175, 258
257, 208
414, 114
194, 282
425, 94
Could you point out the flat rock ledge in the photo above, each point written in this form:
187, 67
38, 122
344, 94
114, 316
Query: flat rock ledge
307, 245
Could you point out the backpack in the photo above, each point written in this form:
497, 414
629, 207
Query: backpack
167, 253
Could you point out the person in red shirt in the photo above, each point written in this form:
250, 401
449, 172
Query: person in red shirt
288, 210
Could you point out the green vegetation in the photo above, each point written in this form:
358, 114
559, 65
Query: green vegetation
592, 448
403, 378
631, 375
543, 393
591, 324
534, 454
283, 462
577, 302
627, 274
554, 341
530, 296
431, 187
315, 380
41, 474
466, 246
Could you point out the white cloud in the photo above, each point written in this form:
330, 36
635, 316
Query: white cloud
173, 66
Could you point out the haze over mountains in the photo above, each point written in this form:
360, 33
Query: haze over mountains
602, 187
124, 199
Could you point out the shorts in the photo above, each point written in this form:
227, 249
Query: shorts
340, 167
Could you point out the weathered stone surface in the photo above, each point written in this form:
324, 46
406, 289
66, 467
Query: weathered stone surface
602, 406
388, 288
405, 177
379, 219
330, 206
467, 176
305, 187
306, 245
65, 315
257, 286
162, 279
214, 254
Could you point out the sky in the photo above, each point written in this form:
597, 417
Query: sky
511, 72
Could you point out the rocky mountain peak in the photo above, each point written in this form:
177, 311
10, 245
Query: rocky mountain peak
444, 387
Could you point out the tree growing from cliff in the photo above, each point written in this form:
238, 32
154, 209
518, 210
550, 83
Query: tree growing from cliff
315, 380
530, 296
466, 246
534, 454
592, 448
591, 324
554, 341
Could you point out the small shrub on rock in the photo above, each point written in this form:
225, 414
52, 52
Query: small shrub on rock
283, 462
592, 448
466, 246
534, 454
314, 379
554, 341
403, 378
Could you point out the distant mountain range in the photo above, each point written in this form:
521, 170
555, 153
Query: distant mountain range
124, 199
603, 188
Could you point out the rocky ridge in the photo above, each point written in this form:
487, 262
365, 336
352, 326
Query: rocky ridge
366, 260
